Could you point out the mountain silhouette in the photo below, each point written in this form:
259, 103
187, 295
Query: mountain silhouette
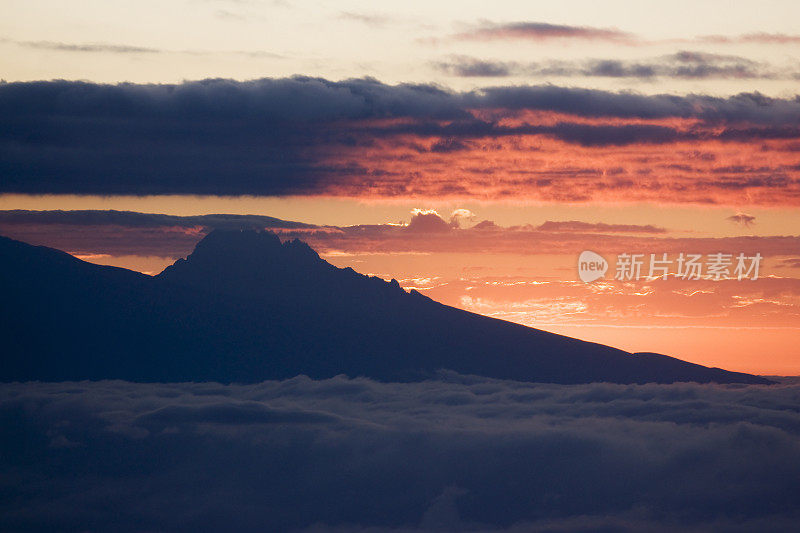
245, 307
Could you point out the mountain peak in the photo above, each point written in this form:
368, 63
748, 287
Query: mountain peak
249, 262
224, 241
248, 246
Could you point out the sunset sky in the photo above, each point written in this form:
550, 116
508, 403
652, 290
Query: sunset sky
471, 151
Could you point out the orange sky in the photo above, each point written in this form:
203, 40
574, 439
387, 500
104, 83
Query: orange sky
524, 273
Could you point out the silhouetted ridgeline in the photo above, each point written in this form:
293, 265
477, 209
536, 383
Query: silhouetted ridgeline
244, 307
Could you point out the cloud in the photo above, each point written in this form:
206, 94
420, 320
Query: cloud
229, 15
767, 306
231, 413
681, 65
459, 215
305, 135
427, 221
575, 226
791, 262
462, 453
757, 38
749, 107
116, 48
130, 233
364, 18
688, 64
448, 144
470, 67
147, 220
89, 47
743, 219
124, 233
542, 31
485, 225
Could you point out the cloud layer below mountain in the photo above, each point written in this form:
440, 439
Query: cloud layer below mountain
352, 454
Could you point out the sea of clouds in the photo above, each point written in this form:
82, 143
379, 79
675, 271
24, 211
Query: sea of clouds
456, 454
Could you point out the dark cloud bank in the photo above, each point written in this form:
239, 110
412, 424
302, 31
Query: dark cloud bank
276, 136
460, 454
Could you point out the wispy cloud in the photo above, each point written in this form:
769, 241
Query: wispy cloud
117, 48
538, 31
88, 47
542, 31
680, 65
370, 19
743, 219
791, 262
758, 38
224, 14
470, 67
575, 226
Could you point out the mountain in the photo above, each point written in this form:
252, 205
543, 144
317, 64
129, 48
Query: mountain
245, 307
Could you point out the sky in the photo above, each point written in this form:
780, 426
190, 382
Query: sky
470, 151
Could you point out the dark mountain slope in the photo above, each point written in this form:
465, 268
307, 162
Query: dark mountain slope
246, 307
